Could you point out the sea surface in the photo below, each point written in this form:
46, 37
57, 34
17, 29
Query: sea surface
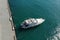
47, 9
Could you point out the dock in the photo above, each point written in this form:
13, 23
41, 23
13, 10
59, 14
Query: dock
6, 32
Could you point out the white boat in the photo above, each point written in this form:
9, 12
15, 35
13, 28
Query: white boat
31, 22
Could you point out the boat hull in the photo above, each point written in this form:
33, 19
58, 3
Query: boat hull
39, 21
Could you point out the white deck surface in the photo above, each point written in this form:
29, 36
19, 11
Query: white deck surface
6, 32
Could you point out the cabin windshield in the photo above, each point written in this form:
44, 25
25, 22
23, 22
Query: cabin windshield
26, 24
33, 21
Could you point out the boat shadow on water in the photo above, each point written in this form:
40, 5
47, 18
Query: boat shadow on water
31, 28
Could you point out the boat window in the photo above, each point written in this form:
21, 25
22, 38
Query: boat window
26, 24
33, 21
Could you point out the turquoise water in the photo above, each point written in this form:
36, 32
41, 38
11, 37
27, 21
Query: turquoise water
47, 9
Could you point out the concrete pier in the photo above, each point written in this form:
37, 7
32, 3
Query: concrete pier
6, 32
